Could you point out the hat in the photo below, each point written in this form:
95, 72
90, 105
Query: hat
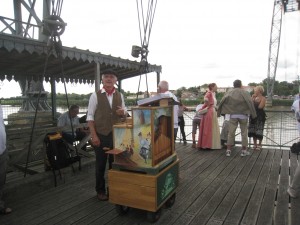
109, 71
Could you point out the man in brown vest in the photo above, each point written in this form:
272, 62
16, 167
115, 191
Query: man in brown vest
106, 107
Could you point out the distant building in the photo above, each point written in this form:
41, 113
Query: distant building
134, 96
222, 89
225, 89
189, 95
153, 94
203, 89
249, 88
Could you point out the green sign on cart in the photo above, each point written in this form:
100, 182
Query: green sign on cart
167, 182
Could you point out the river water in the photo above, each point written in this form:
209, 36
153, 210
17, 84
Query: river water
280, 127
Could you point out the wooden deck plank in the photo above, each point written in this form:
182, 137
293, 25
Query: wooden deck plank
295, 203
202, 157
223, 184
52, 211
230, 198
61, 201
295, 207
108, 210
39, 203
199, 183
267, 207
187, 157
135, 217
294, 163
218, 172
191, 173
282, 205
34, 199
74, 213
191, 184
237, 211
36, 193
213, 189
55, 209
253, 208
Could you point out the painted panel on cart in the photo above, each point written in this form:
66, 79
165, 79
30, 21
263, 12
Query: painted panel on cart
150, 135
142, 137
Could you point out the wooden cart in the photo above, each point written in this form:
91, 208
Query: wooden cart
144, 191
145, 169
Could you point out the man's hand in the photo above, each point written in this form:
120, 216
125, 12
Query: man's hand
94, 137
120, 111
95, 141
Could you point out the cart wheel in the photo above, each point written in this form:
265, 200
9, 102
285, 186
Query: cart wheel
153, 216
170, 202
122, 209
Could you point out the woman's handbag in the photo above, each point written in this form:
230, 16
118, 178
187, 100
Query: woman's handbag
297, 114
203, 111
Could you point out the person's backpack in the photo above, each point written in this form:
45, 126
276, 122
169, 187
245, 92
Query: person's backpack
296, 148
58, 153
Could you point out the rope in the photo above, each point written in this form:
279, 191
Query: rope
137, 5
147, 27
54, 43
151, 18
56, 8
137, 94
35, 113
59, 53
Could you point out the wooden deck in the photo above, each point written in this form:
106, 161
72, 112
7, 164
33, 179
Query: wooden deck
213, 189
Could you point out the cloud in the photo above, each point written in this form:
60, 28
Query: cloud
195, 42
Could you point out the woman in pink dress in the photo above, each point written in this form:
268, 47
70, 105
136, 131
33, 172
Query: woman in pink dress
209, 131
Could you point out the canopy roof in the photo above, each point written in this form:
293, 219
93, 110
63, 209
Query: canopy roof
21, 58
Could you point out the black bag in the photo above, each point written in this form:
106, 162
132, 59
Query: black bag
298, 116
296, 148
57, 151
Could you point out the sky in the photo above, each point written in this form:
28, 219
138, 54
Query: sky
195, 41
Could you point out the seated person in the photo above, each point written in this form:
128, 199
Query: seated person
83, 119
65, 121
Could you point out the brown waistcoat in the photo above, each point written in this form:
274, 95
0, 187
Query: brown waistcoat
105, 116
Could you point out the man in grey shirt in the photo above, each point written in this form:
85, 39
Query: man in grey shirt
238, 103
65, 121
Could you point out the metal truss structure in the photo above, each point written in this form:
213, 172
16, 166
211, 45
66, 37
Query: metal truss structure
280, 8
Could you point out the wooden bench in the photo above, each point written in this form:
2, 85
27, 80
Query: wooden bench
19, 140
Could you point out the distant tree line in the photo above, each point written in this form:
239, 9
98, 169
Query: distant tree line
283, 88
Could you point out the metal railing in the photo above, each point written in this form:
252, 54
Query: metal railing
27, 30
280, 129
